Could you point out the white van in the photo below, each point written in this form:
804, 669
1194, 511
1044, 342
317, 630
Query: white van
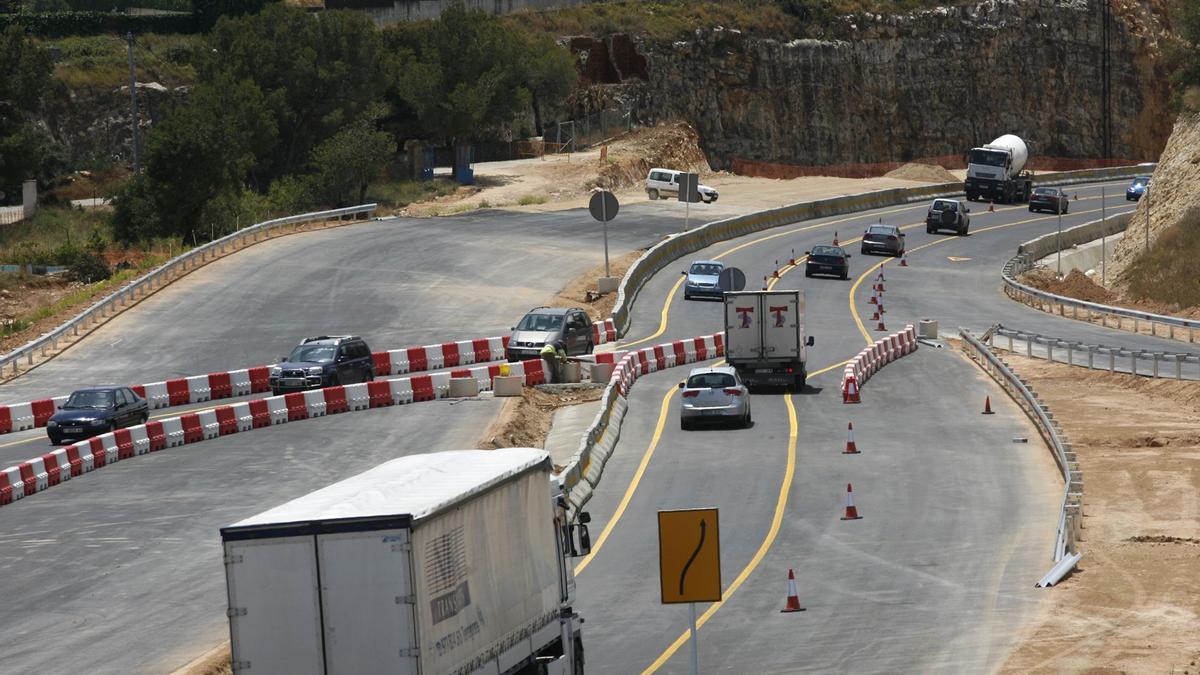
664, 183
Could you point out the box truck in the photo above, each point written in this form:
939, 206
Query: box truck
443, 563
765, 339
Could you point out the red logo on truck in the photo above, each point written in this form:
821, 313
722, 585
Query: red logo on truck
779, 312
745, 313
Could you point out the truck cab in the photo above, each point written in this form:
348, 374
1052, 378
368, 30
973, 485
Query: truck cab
995, 172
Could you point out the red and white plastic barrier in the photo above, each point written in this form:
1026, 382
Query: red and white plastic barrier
235, 383
40, 473
867, 362
604, 331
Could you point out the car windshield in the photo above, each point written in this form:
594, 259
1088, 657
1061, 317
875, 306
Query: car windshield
312, 354
945, 206
1044, 191
706, 269
827, 250
541, 322
710, 381
90, 399
988, 157
1140, 181
880, 229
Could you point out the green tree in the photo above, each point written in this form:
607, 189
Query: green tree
347, 162
317, 73
23, 79
1183, 53
465, 74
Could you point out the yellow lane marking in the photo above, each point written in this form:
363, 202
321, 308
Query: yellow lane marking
776, 520
957, 258
666, 310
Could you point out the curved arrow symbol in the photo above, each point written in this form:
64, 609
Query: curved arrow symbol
700, 545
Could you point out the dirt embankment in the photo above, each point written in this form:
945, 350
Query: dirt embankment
1075, 285
1133, 605
1175, 189
525, 422
927, 173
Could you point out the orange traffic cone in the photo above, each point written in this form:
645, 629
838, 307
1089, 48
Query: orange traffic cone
879, 277
764, 283
851, 511
850, 390
904, 261
880, 327
851, 448
987, 406
991, 206
874, 300
793, 600
775, 272
792, 260
835, 241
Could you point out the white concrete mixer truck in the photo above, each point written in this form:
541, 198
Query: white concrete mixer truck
996, 172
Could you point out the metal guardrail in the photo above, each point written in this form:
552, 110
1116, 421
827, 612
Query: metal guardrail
1049, 302
1070, 517
1070, 349
167, 272
679, 245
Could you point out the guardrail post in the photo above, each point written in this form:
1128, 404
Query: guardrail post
1049, 351
1171, 331
1112, 361
1190, 340
1091, 356
1155, 355
1074, 311
1029, 346
1136, 327
1132, 362
1010, 345
1070, 353
1179, 366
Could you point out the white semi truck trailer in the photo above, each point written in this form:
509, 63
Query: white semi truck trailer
995, 172
444, 563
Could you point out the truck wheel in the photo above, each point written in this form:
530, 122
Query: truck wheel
652, 193
798, 385
930, 230
845, 275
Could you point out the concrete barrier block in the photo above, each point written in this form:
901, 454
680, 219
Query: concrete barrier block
601, 372
463, 387
508, 385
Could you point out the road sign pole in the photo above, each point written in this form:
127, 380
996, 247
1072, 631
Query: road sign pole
687, 214
604, 212
1147, 191
1104, 223
1059, 245
695, 648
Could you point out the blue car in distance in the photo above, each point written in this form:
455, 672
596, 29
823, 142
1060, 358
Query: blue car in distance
702, 280
1137, 188
96, 410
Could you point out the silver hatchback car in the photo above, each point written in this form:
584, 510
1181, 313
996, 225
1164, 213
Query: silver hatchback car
714, 394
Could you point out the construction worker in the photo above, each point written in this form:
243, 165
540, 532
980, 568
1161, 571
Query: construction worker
553, 358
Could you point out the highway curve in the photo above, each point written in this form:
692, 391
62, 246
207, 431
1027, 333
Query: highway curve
120, 570
958, 522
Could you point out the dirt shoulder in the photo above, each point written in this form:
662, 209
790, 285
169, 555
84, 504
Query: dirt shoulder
1133, 603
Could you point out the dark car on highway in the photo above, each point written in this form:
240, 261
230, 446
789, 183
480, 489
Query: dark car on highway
97, 410
1137, 188
883, 238
948, 214
827, 260
323, 361
1049, 199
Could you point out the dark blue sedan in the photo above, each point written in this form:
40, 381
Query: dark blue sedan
97, 410
1137, 188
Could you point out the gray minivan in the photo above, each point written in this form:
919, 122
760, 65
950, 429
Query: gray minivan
547, 324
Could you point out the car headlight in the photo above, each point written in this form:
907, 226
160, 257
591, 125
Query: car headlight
315, 370
51, 424
276, 371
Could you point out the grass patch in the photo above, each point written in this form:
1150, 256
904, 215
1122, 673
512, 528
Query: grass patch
101, 61
34, 241
398, 194
1169, 272
527, 200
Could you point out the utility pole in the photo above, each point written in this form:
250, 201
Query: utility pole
137, 141
1147, 216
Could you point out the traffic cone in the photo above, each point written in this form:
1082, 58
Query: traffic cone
880, 303
904, 261
991, 206
851, 511
874, 300
850, 391
880, 327
851, 448
775, 272
987, 406
875, 316
792, 260
835, 241
764, 283
879, 277
793, 600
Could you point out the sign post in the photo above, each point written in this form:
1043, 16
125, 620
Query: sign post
689, 191
689, 562
604, 206
1104, 220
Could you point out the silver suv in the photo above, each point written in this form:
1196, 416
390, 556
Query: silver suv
549, 324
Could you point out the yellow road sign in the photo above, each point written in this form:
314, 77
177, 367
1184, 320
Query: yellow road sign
689, 556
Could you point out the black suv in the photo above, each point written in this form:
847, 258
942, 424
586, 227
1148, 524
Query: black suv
324, 361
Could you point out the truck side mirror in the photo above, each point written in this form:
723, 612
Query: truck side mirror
585, 517
810, 342
585, 540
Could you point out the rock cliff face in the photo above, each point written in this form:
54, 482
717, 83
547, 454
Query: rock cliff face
930, 83
92, 125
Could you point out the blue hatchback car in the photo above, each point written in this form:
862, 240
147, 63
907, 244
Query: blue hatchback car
1137, 188
702, 280
97, 410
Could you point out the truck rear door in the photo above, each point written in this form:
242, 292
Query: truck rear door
367, 602
743, 327
267, 579
782, 325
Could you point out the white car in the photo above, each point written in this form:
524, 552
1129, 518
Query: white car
664, 183
714, 395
